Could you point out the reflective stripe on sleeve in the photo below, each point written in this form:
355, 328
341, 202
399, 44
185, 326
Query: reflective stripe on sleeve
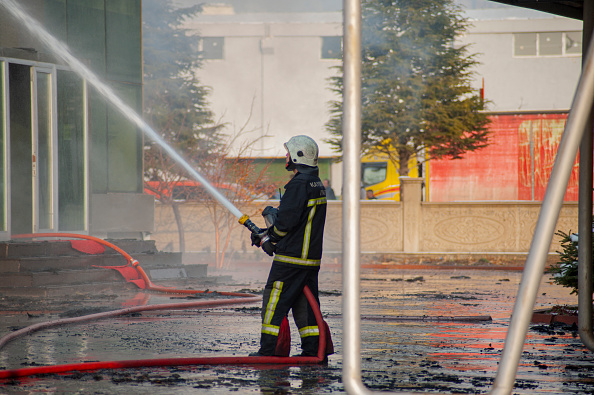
316, 202
278, 232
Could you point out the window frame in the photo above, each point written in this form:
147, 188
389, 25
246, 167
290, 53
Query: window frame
324, 48
539, 37
206, 52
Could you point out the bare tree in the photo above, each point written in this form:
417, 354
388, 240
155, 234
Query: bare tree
237, 177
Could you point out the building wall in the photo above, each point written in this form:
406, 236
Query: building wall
387, 227
272, 81
522, 83
515, 166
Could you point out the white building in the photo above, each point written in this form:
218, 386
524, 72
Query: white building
530, 61
269, 71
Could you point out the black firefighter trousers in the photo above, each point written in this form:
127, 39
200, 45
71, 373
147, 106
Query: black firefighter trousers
283, 292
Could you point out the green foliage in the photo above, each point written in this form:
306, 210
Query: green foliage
416, 93
175, 104
565, 271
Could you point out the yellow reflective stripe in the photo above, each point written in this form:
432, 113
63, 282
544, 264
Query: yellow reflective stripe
310, 203
274, 296
307, 235
297, 261
270, 329
316, 202
309, 331
280, 233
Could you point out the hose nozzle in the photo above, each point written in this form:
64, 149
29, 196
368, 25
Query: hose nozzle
245, 221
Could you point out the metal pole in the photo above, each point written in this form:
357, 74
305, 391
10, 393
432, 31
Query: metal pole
351, 181
585, 210
545, 228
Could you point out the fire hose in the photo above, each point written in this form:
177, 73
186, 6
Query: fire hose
168, 362
89, 366
115, 313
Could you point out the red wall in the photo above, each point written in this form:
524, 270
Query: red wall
505, 169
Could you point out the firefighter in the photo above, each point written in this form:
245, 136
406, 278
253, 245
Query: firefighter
295, 240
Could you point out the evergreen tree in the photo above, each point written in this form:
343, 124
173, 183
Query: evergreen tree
416, 94
174, 101
175, 104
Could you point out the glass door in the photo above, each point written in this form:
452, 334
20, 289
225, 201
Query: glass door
43, 153
72, 152
3, 164
21, 148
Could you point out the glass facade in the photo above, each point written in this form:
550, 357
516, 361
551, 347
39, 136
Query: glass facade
86, 32
124, 71
106, 35
44, 158
3, 222
71, 152
124, 144
82, 144
123, 41
21, 148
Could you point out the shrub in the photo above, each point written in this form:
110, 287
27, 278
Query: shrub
565, 271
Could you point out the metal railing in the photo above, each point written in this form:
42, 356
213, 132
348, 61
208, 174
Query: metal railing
585, 211
545, 227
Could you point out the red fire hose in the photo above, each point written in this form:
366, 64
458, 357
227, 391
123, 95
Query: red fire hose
114, 313
89, 366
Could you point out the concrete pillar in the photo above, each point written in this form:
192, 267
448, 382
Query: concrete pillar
410, 197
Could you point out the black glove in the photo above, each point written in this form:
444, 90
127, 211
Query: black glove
256, 239
268, 246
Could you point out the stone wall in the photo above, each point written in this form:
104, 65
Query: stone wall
387, 227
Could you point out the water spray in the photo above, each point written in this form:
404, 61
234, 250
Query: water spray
62, 51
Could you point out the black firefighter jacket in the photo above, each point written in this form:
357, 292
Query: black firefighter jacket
300, 221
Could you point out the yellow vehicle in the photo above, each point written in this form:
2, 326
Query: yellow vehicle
379, 174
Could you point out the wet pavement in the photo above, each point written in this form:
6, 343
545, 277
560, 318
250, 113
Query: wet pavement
416, 336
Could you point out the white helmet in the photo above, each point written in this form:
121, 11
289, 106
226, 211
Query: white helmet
303, 150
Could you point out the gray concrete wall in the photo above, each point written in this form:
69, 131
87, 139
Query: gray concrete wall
387, 227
